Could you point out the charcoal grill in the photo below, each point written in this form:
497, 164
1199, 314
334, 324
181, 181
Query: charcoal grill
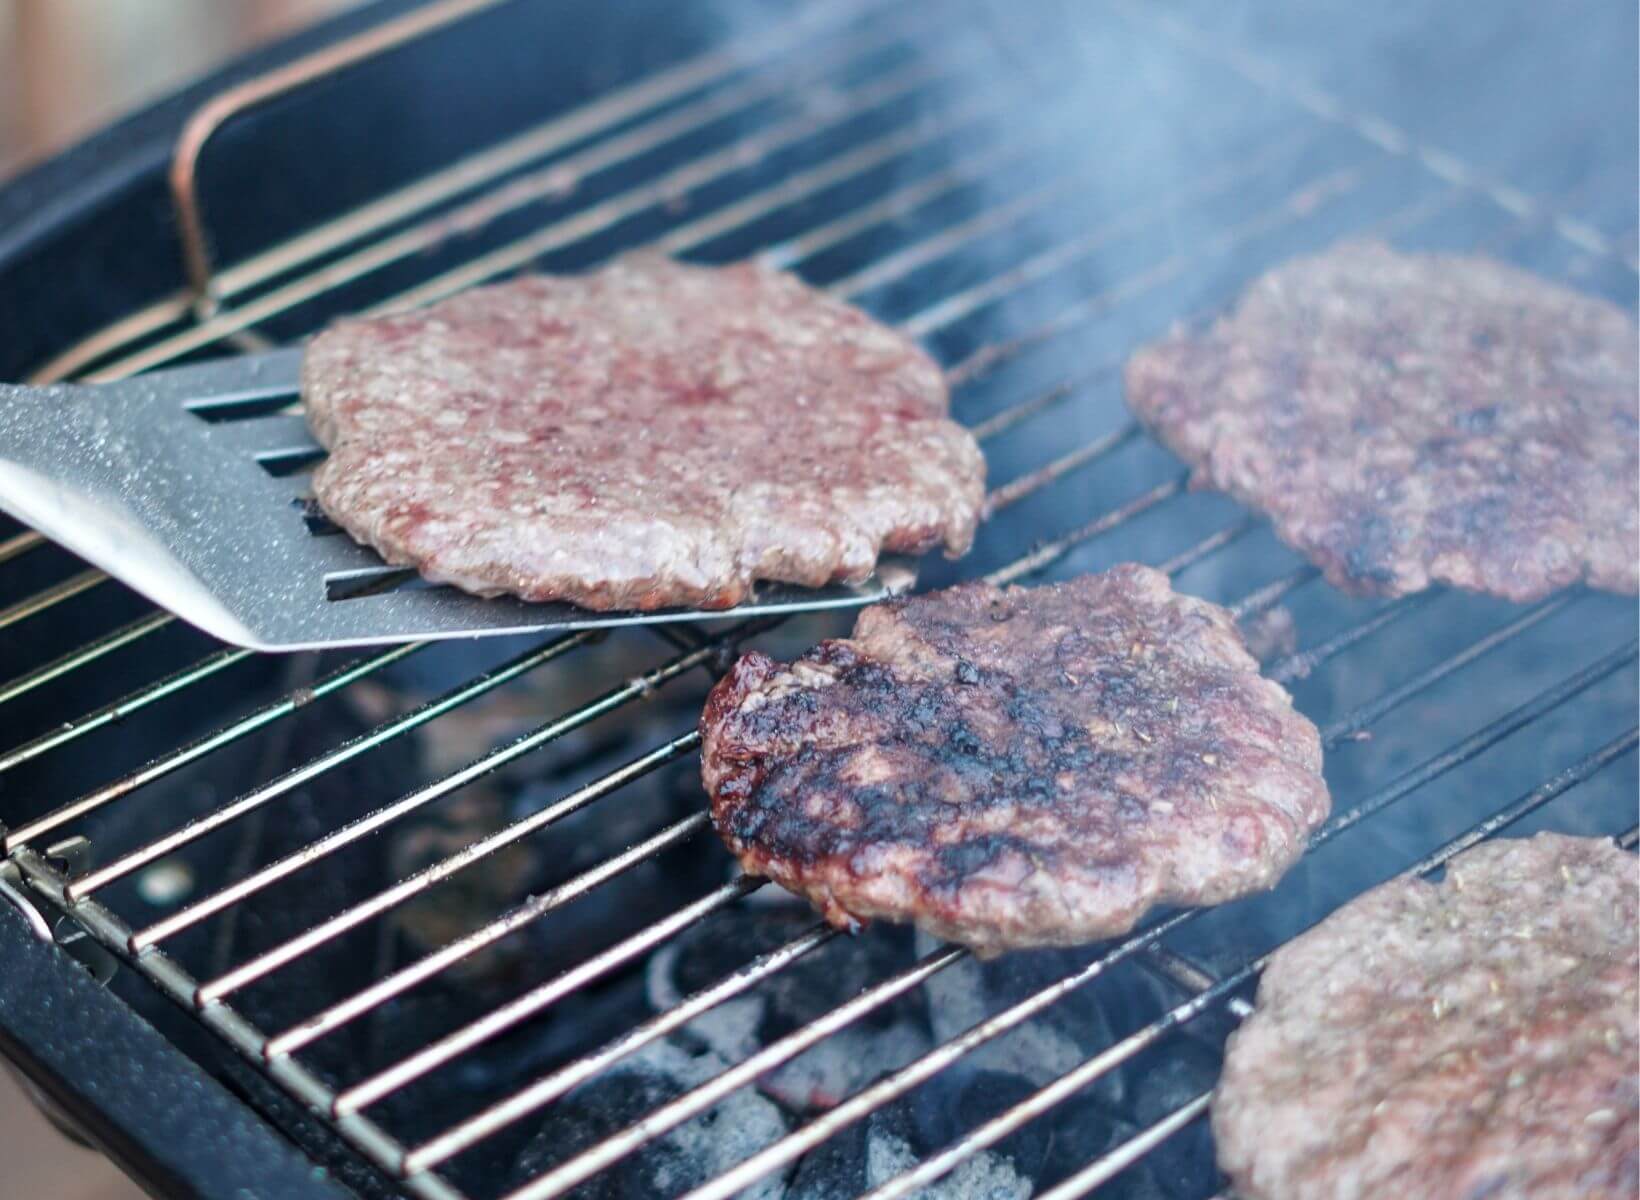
1032, 192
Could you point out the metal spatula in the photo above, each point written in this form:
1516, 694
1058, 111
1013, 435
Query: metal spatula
180, 484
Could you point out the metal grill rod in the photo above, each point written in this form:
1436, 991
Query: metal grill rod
475, 171
1209, 545
1131, 1151
80, 888
18, 543
668, 1116
897, 84
525, 250
370, 1090
538, 906
894, 204
349, 918
119, 709
929, 319
804, 184
1603, 179
489, 1121
1300, 202
558, 234
488, 681
29, 606
742, 97
164, 765
634, 688
920, 254
1018, 414
89, 653
600, 964
1272, 593
456, 1043
922, 1069
1301, 663
1050, 552
362, 1002
109, 929
1417, 777
1021, 486
987, 358
1376, 131
543, 1091
1103, 1169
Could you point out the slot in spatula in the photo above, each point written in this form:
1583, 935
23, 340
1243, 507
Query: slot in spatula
184, 485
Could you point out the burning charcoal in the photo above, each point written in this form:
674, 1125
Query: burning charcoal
1091, 1018
1166, 1077
887, 1144
686, 1157
1049, 1044
840, 1065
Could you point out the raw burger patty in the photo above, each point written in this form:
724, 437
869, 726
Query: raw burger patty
1409, 419
647, 435
1469, 1038
1018, 767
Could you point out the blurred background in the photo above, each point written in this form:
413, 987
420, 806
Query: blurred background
66, 68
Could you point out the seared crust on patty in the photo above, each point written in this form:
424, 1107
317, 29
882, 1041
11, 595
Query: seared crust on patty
1016, 767
647, 435
1468, 1038
1413, 419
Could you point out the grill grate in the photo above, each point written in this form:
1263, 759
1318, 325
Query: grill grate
1320, 167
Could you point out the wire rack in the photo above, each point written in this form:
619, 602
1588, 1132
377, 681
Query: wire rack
1317, 173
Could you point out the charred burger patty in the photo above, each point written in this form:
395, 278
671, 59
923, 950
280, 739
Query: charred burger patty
1016, 767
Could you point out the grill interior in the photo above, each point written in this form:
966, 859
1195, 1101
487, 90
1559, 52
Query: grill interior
447, 897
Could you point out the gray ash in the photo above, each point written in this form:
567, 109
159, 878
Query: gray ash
687, 1156
886, 1038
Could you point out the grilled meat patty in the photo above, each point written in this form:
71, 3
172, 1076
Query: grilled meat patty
649, 434
1409, 419
1469, 1038
1015, 767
